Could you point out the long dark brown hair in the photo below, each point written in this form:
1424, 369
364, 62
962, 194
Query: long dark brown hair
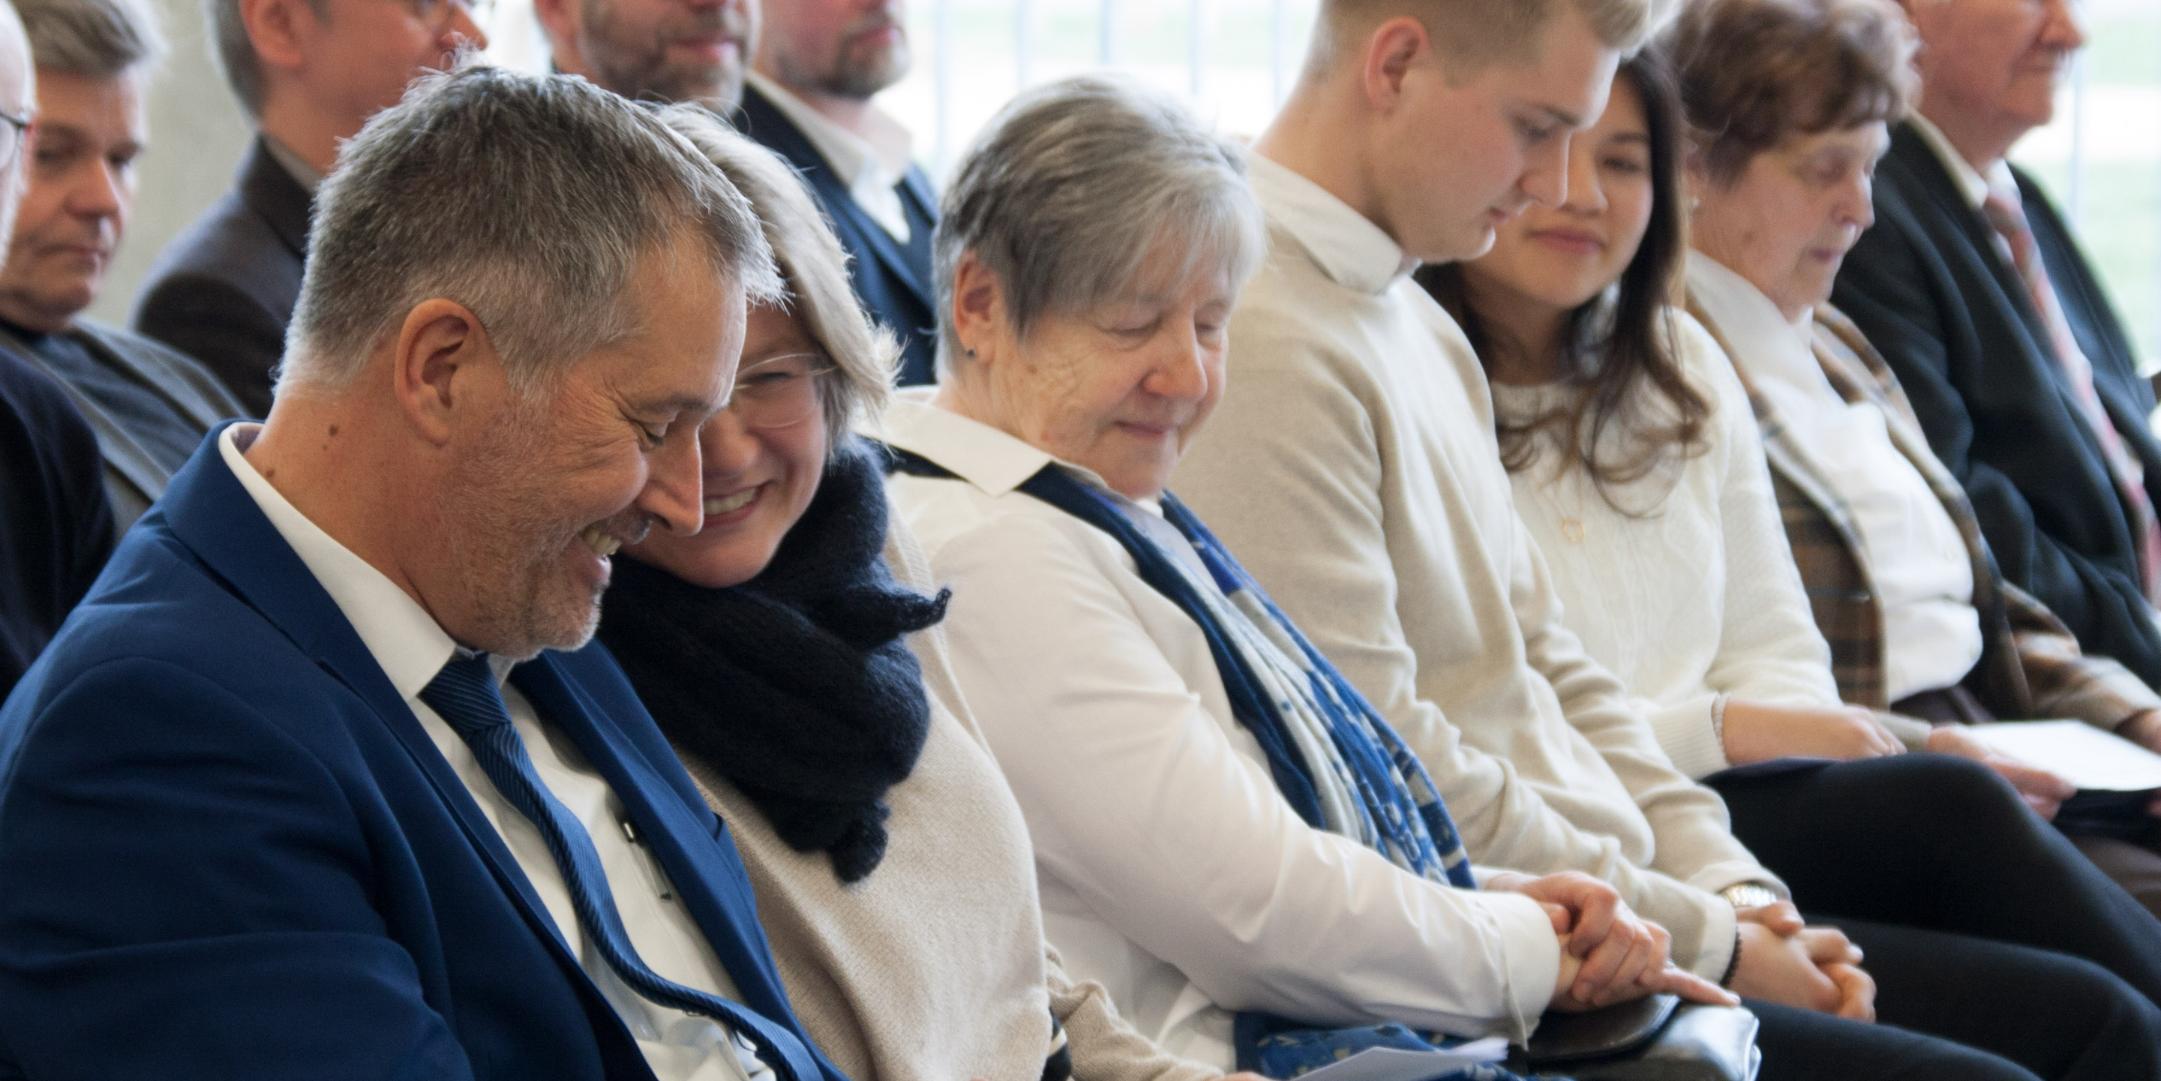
1618, 341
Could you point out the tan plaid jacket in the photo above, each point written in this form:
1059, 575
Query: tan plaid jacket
2031, 666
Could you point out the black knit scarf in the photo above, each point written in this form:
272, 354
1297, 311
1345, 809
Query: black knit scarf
795, 686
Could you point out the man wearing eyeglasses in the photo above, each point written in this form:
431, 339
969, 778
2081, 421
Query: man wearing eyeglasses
55, 528
309, 72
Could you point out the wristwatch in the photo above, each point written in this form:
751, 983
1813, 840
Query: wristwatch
1745, 895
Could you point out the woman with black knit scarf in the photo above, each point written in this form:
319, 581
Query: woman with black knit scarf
790, 651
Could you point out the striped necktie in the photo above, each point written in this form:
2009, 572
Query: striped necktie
466, 695
2006, 213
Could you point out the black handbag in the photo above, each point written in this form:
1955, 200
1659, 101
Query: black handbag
1655, 1038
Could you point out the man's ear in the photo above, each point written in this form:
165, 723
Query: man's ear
278, 31
1392, 50
979, 309
442, 365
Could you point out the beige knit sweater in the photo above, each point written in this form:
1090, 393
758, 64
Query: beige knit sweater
933, 968
1351, 467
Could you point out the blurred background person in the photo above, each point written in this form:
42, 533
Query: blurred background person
2016, 366
149, 405
655, 50
820, 64
308, 73
55, 526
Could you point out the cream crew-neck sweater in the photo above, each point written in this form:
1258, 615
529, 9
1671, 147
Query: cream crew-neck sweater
1682, 584
1352, 467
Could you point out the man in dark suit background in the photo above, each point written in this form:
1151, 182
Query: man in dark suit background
55, 528
149, 405
1975, 291
321, 779
309, 72
818, 64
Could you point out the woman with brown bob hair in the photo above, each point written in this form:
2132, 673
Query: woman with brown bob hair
1787, 105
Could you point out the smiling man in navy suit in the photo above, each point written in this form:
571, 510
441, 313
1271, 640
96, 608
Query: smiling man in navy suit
322, 780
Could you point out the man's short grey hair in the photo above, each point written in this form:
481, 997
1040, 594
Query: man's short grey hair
530, 200
94, 39
236, 54
1077, 186
813, 268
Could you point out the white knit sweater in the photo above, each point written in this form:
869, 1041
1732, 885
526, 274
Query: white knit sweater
1686, 590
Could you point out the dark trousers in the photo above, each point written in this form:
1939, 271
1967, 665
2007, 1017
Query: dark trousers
1957, 893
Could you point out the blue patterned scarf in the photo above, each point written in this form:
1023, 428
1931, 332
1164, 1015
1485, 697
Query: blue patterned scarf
1336, 761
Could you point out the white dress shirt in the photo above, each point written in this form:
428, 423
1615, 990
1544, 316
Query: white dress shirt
1971, 184
1172, 869
1352, 467
872, 174
1922, 571
411, 648
1688, 590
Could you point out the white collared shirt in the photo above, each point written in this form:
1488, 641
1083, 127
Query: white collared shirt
1916, 557
411, 648
873, 178
1172, 870
1971, 184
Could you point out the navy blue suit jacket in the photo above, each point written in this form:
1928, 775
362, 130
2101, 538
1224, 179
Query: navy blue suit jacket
230, 850
893, 280
1959, 328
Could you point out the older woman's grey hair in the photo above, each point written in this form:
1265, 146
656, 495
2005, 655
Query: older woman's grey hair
813, 269
1079, 187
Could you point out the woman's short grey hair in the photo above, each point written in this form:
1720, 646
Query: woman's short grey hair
1077, 186
93, 39
530, 200
813, 269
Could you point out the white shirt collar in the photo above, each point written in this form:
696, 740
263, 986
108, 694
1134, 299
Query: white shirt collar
991, 460
1767, 345
1348, 247
852, 157
404, 639
1971, 183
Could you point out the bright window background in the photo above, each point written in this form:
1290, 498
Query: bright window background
2102, 157
1234, 60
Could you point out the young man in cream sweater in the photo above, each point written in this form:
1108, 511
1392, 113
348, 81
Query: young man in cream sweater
1351, 465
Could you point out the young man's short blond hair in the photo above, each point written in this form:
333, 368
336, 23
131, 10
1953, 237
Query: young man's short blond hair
1472, 33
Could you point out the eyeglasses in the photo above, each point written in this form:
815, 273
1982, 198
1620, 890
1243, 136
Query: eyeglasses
13, 135
781, 391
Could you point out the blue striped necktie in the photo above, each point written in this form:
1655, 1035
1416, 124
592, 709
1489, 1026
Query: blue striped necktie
466, 695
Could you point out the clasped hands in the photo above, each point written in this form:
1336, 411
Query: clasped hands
1608, 953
